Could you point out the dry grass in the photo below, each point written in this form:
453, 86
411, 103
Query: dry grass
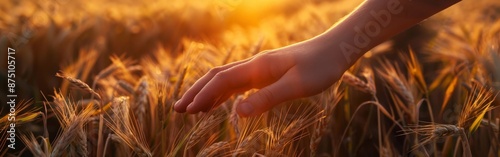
132, 62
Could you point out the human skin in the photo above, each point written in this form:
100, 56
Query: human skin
308, 67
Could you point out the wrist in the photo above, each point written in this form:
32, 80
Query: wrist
375, 21
370, 24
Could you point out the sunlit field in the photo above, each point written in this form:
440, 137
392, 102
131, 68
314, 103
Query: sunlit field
99, 78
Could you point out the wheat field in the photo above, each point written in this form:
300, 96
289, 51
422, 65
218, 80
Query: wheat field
99, 78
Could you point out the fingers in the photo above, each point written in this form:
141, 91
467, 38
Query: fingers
187, 98
252, 74
266, 98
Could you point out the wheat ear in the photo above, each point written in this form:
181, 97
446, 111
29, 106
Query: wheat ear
288, 135
80, 84
202, 129
141, 100
357, 83
213, 149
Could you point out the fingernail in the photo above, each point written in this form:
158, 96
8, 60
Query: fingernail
177, 102
246, 108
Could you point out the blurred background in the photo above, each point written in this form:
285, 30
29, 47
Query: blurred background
66, 35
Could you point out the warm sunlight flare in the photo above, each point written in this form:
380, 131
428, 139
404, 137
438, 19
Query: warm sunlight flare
250, 12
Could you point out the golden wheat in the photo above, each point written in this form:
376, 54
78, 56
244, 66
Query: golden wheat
357, 83
80, 84
135, 95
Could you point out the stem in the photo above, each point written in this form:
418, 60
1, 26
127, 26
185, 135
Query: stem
455, 151
379, 133
101, 123
106, 145
465, 143
99, 137
46, 133
379, 107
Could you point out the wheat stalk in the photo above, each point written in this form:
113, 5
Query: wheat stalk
288, 135
141, 100
357, 83
233, 118
120, 109
477, 103
402, 89
80, 84
250, 143
125, 128
432, 132
330, 101
126, 86
368, 75
203, 128
180, 81
316, 136
132, 143
79, 145
33, 145
24, 114
398, 83
71, 133
213, 149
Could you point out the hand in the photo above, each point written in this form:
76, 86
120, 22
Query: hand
299, 70
305, 68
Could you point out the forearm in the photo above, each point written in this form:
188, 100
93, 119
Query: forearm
375, 21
